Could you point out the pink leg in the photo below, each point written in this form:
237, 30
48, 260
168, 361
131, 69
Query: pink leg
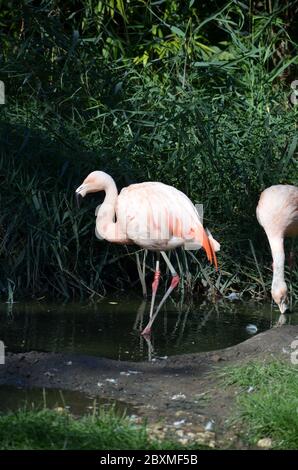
174, 283
155, 284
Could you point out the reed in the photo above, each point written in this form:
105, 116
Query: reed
200, 104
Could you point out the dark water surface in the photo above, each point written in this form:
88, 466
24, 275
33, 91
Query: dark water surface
77, 403
110, 328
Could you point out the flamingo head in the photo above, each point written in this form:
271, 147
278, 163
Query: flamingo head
280, 296
95, 181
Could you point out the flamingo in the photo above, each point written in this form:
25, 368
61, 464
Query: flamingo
152, 215
277, 212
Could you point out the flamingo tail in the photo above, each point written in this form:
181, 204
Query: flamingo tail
210, 246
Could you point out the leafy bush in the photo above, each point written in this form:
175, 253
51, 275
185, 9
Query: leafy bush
194, 97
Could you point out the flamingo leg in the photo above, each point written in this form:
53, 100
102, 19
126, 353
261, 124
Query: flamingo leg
142, 272
138, 324
155, 284
174, 283
150, 347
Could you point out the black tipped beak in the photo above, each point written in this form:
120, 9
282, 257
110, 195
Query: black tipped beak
78, 199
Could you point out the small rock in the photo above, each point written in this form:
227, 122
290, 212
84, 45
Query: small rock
183, 441
179, 413
148, 407
209, 425
157, 431
251, 329
206, 437
265, 443
179, 396
111, 381
179, 423
180, 433
69, 363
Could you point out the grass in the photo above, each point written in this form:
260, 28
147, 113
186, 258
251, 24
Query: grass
271, 408
52, 430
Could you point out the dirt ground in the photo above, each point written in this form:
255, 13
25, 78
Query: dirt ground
181, 396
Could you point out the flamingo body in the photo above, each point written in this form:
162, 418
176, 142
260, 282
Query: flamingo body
160, 217
152, 215
277, 212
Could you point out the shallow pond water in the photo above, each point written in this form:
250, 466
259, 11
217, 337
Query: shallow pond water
111, 328
77, 403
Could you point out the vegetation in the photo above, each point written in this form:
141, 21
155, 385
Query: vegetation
194, 94
52, 430
269, 409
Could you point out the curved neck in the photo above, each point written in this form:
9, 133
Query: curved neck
278, 255
106, 227
111, 191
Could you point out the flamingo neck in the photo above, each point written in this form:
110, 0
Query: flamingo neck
106, 227
278, 255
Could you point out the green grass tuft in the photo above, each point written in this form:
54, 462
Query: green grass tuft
271, 408
47, 429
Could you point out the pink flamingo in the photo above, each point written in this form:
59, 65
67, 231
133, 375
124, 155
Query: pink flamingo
152, 215
277, 212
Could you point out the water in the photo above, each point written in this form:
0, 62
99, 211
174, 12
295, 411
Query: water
77, 403
111, 328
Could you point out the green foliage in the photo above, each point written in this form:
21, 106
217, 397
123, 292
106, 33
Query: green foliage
189, 94
270, 410
46, 429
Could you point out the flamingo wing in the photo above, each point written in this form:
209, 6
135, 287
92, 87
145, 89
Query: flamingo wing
158, 216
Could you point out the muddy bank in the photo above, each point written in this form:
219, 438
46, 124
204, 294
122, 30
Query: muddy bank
179, 395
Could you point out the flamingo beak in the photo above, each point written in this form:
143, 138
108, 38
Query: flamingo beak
78, 199
80, 193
